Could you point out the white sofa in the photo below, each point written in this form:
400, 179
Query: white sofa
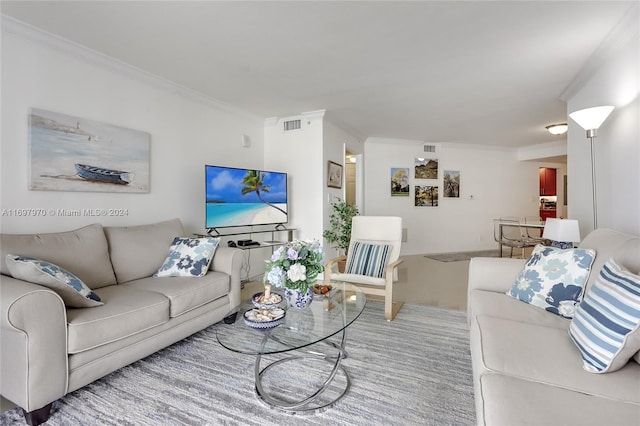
48, 350
526, 368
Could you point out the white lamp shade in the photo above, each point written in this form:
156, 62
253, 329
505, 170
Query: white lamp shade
591, 118
564, 230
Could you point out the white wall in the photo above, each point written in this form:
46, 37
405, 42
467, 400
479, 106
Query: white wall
614, 81
299, 153
335, 141
186, 130
304, 153
493, 184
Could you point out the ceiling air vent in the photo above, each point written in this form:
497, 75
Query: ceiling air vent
429, 148
291, 125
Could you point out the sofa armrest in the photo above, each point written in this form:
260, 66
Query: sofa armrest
33, 344
229, 260
493, 274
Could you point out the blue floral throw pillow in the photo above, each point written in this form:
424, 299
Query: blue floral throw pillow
70, 288
188, 257
553, 279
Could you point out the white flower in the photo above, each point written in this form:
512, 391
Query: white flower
276, 254
297, 272
567, 308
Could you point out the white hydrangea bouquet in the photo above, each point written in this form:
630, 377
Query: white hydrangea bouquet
295, 265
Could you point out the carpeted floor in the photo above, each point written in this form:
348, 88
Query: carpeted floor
460, 256
415, 370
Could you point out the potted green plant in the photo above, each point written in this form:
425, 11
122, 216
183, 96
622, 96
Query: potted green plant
339, 232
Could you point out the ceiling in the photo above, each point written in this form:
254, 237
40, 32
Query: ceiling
481, 72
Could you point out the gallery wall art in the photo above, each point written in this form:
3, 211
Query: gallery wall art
69, 153
399, 181
451, 184
426, 196
426, 168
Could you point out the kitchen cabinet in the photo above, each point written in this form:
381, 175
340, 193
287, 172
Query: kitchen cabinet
547, 181
546, 214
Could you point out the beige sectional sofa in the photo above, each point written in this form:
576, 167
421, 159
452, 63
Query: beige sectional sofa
49, 350
526, 368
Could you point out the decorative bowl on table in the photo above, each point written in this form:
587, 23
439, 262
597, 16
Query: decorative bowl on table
263, 319
322, 290
260, 302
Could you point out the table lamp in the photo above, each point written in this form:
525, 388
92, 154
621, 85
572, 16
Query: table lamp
562, 232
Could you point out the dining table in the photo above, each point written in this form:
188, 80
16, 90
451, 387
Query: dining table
526, 225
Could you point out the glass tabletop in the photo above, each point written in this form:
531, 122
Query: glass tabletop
328, 314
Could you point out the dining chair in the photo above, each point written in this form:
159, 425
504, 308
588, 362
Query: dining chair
535, 233
372, 259
508, 232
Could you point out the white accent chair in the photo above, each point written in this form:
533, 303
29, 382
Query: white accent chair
369, 234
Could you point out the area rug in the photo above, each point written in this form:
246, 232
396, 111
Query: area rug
463, 255
415, 370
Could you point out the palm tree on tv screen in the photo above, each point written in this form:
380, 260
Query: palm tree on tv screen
253, 181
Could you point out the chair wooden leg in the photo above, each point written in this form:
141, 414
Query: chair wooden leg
391, 308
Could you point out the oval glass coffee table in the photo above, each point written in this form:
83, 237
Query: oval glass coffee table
305, 332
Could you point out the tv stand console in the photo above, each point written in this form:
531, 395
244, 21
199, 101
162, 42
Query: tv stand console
247, 235
273, 242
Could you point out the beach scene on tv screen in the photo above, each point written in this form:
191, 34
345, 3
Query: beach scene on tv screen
239, 197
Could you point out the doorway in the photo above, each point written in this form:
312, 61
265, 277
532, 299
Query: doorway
354, 181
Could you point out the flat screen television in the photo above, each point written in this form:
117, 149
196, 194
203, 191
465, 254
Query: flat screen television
244, 197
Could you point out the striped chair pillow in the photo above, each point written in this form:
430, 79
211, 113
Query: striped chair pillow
368, 259
606, 326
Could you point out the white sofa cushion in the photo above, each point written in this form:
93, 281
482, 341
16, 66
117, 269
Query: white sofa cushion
546, 355
83, 251
511, 401
494, 304
126, 311
138, 251
608, 244
186, 293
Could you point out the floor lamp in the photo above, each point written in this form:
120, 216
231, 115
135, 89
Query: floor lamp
591, 119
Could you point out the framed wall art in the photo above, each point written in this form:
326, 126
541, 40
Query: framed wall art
451, 184
426, 196
426, 168
399, 182
69, 153
334, 175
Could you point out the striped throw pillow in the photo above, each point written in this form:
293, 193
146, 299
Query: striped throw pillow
368, 259
606, 326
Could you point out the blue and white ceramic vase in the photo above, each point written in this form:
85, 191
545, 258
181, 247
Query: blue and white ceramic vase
297, 299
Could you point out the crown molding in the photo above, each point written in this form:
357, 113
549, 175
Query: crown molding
627, 29
39, 36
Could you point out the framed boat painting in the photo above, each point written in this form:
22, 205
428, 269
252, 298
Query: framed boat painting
70, 153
